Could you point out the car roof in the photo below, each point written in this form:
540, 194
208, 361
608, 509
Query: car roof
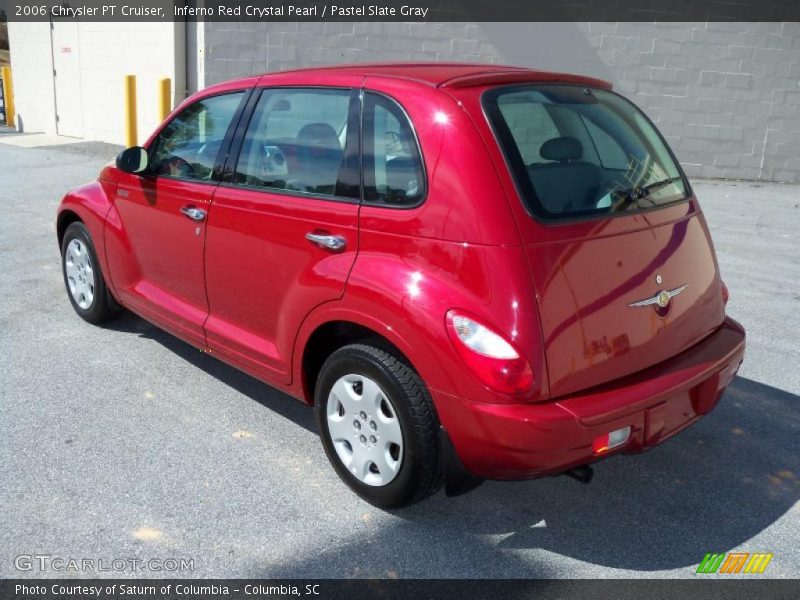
441, 74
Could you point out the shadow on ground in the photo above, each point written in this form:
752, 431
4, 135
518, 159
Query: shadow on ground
712, 488
287, 407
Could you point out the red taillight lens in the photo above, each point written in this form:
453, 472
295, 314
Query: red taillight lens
725, 293
491, 357
600, 444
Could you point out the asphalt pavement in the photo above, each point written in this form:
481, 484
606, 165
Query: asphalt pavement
123, 442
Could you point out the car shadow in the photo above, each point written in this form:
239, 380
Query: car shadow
284, 405
712, 488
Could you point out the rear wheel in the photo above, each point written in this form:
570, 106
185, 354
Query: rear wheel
378, 426
82, 277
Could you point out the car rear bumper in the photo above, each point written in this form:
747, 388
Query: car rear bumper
520, 441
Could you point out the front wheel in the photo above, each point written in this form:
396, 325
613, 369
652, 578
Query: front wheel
82, 277
378, 426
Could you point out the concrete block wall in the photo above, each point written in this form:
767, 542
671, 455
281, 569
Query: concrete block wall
726, 95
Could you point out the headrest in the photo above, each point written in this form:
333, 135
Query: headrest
320, 135
561, 149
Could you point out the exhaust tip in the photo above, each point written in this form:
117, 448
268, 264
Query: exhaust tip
584, 473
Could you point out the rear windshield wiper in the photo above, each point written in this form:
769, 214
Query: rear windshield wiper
630, 196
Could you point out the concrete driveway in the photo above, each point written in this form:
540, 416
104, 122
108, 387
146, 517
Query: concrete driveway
123, 442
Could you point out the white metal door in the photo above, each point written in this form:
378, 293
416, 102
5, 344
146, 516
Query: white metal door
67, 75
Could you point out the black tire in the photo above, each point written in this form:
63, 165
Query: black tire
102, 307
420, 472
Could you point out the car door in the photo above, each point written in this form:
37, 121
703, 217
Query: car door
162, 214
283, 232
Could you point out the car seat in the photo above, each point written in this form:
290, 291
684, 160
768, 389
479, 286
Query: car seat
319, 154
567, 184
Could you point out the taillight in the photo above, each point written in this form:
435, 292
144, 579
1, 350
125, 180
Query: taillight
725, 293
491, 357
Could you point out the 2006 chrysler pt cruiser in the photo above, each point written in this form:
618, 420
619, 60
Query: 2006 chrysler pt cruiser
470, 271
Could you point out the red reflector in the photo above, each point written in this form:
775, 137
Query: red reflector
600, 444
612, 439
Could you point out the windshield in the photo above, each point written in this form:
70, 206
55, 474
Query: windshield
581, 151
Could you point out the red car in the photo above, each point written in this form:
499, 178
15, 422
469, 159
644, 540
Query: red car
470, 271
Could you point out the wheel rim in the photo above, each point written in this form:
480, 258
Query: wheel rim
80, 273
365, 430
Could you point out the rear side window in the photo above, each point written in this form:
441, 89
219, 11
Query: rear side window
188, 146
296, 141
577, 151
392, 164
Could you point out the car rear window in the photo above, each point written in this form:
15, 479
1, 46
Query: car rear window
577, 151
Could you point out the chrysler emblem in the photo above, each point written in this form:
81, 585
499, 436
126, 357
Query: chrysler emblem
661, 299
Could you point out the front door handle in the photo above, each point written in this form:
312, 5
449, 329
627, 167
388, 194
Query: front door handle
334, 243
195, 214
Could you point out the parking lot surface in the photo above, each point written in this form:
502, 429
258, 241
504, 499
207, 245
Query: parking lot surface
123, 442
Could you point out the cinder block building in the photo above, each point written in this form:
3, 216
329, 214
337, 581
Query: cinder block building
726, 95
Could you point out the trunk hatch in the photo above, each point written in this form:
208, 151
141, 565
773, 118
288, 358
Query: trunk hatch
591, 335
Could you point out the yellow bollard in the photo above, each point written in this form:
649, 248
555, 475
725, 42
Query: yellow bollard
131, 132
8, 97
164, 98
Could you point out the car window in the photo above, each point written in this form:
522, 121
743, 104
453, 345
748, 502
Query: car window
393, 171
530, 124
600, 155
188, 146
610, 153
296, 141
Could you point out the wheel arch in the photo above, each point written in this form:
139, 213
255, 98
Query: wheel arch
326, 336
88, 204
65, 218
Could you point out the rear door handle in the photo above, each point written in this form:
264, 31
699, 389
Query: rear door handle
195, 214
334, 243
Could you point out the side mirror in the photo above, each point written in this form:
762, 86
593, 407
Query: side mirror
132, 160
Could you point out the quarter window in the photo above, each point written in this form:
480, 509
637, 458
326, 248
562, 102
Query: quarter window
393, 172
188, 146
297, 141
